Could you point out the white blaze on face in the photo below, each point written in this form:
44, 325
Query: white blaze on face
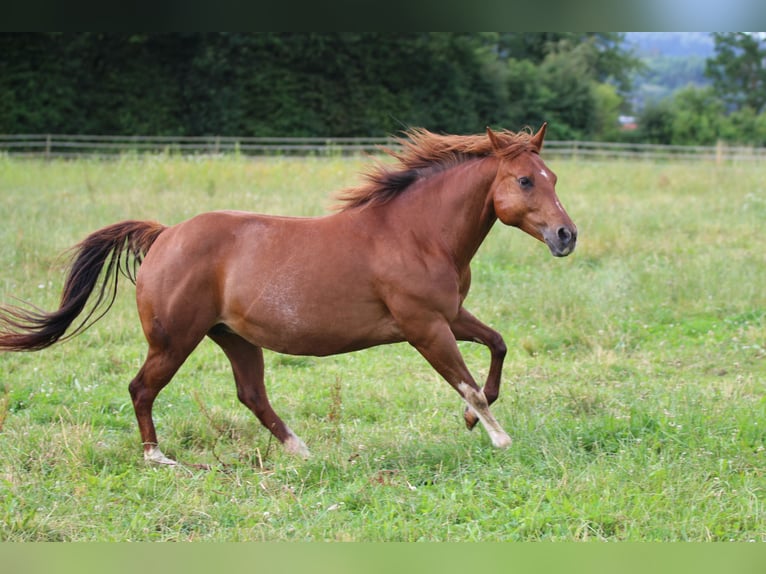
546, 175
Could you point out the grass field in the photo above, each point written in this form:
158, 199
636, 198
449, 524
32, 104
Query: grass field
634, 387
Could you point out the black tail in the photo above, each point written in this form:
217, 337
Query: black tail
119, 247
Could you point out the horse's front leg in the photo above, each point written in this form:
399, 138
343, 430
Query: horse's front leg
466, 327
436, 342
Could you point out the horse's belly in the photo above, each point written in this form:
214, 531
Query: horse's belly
320, 345
299, 339
315, 327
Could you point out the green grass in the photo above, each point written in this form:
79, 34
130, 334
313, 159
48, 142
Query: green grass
634, 386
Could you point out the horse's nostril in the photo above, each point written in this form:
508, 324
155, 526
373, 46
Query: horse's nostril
564, 235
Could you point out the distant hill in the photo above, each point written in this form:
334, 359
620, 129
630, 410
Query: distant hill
650, 44
673, 61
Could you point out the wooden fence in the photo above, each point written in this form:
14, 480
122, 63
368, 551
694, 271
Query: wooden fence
64, 146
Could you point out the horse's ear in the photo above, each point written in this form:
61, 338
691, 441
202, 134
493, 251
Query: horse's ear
537, 139
496, 145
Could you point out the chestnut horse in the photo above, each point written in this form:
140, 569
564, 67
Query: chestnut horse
391, 265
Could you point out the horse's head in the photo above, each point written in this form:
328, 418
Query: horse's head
524, 194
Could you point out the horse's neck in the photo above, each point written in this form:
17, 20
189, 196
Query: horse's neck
453, 207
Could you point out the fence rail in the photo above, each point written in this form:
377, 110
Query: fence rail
63, 146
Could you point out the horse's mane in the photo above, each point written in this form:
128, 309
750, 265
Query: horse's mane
422, 153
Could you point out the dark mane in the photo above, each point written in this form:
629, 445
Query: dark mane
423, 153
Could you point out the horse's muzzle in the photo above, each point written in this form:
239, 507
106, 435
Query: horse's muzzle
561, 241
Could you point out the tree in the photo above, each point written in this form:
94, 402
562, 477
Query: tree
656, 122
606, 112
738, 70
565, 89
697, 117
609, 61
744, 127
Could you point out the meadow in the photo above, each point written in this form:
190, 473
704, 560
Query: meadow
634, 387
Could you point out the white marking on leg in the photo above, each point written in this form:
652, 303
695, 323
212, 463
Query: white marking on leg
294, 445
154, 455
477, 402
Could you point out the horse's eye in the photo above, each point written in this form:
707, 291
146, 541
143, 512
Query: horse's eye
525, 182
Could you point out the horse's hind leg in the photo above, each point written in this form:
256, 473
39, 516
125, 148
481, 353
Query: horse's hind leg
247, 363
167, 352
157, 371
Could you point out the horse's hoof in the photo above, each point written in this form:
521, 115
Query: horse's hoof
470, 418
501, 440
155, 456
296, 446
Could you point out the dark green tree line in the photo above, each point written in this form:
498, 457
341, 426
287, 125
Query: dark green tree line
310, 84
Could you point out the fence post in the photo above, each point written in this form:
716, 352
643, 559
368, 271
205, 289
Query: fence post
47, 147
719, 147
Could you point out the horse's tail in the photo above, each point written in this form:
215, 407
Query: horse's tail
119, 247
